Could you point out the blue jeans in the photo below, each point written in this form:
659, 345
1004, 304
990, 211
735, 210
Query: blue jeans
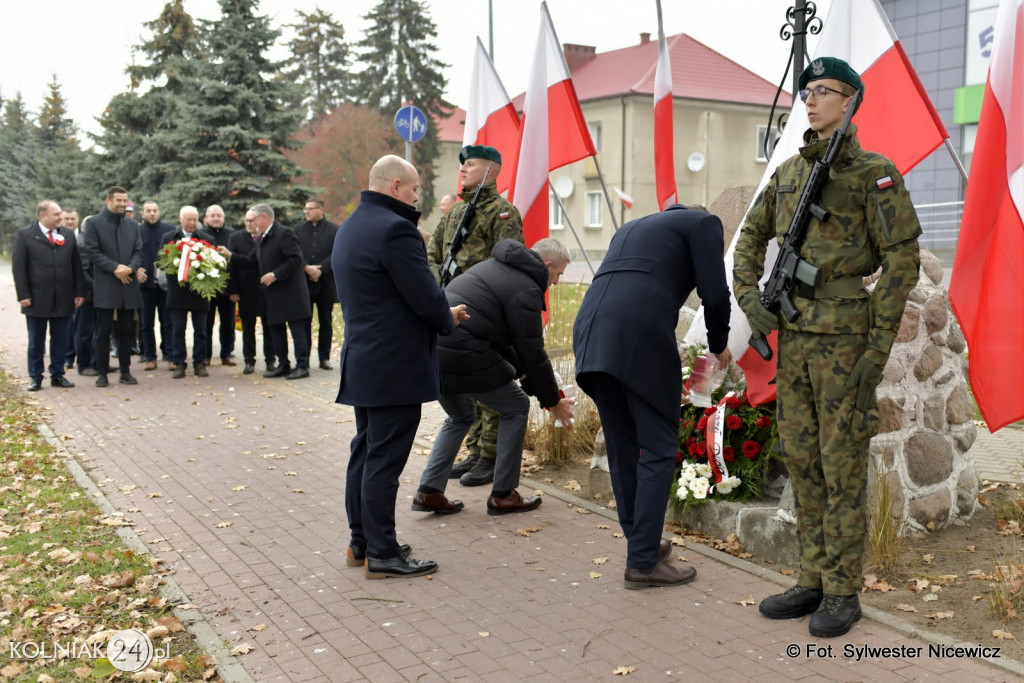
37, 345
512, 405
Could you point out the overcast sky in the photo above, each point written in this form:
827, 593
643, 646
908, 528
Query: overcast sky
87, 43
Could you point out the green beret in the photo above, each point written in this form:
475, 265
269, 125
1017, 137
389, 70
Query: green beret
479, 152
830, 67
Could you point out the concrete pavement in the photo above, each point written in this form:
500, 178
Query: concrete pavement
237, 483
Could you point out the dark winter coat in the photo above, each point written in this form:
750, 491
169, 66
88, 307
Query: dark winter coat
110, 240
504, 336
279, 252
245, 277
317, 240
49, 274
152, 237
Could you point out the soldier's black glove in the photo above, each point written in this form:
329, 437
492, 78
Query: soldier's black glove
761, 320
865, 377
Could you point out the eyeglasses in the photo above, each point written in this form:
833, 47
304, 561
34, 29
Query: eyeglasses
819, 92
249, 220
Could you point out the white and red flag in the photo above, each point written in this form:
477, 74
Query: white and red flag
897, 119
553, 133
664, 149
986, 289
491, 118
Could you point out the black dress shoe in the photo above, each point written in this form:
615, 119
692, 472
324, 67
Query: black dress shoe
482, 473
797, 602
661, 575
278, 371
397, 568
324, 365
835, 616
435, 502
101, 380
34, 385
88, 372
463, 466
62, 382
512, 503
271, 365
249, 369
127, 379
200, 370
356, 556
298, 373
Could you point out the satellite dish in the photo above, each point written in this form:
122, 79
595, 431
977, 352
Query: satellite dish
563, 186
695, 162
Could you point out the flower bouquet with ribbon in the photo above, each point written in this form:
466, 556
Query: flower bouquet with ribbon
194, 262
726, 450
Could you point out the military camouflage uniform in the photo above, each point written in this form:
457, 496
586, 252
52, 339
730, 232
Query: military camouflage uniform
824, 437
495, 220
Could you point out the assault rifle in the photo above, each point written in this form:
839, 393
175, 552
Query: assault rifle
449, 266
791, 272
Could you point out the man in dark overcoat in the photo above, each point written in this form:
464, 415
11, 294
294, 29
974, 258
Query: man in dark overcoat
49, 285
393, 311
627, 360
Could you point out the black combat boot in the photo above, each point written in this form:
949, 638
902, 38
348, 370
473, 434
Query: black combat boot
482, 473
464, 465
835, 616
797, 602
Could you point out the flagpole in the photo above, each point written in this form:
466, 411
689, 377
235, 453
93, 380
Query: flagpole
565, 217
956, 159
607, 197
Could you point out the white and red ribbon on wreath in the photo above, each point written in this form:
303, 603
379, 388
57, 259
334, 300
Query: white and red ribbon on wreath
714, 435
186, 260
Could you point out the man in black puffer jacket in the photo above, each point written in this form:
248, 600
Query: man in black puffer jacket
480, 361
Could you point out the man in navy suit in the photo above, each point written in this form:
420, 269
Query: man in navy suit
627, 360
393, 311
48, 282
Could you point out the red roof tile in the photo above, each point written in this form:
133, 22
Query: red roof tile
451, 129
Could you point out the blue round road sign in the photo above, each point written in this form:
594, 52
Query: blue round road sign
411, 124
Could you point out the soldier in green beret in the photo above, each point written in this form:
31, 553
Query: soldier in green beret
830, 359
495, 220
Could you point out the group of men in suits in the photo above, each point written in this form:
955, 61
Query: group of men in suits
87, 285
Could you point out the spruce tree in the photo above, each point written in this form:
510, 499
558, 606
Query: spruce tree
319, 62
141, 149
60, 163
18, 150
237, 120
400, 69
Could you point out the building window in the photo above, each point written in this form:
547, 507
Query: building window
557, 220
761, 132
595, 133
594, 209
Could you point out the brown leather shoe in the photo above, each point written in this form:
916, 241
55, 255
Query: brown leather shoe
435, 502
662, 574
664, 549
513, 503
149, 365
228, 361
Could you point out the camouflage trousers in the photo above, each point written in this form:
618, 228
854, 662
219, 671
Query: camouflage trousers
825, 447
482, 438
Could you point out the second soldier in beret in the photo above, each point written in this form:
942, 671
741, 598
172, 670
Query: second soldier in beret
495, 220
830, 359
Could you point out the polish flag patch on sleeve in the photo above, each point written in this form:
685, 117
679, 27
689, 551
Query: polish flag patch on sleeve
504, 214
884, 183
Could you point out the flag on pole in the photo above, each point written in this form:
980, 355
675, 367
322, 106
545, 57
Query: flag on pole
664, 149
626, 200
553, 132
897, 119
491, 118
985, 289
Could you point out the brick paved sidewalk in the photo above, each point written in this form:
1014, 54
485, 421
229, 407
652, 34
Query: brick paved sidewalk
237, 483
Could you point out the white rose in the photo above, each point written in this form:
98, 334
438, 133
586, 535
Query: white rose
728, 485
193, 256
703, 470
177, 261
701, 494
699, 487
214, 272
681, 493
200, 276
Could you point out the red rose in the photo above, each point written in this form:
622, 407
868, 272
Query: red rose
751, 449
734, 422
691, 447
763, 422
732, 402
702, 423
729, 453
679, 457
180, 245
708, 412
702, 450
